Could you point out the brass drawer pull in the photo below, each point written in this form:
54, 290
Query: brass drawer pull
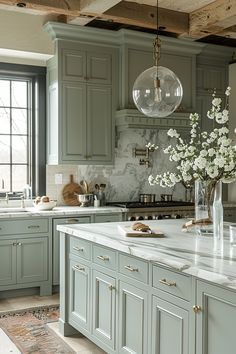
72, 221
33, 227
78, 268
197, 308
131, 269
166, 282
77, 248
103, 258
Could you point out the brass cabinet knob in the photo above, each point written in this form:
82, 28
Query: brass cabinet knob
111, 287
197, 308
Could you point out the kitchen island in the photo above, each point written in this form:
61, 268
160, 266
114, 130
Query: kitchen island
175, 294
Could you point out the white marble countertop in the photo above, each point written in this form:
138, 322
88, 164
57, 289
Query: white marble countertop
191, 254
16, 212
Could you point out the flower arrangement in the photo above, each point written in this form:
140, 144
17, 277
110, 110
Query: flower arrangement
206, 155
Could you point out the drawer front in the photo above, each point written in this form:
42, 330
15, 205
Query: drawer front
108, 218
104, 257
30, 226
80, 248
171, 282
133, 267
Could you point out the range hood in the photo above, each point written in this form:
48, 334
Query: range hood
132, 118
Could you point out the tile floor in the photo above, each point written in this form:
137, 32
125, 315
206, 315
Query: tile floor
81, 345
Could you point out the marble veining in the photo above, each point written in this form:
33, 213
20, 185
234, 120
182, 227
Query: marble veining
195, 255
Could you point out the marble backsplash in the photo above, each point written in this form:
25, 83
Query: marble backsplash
126, 179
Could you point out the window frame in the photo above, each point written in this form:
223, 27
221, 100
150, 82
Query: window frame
37, 75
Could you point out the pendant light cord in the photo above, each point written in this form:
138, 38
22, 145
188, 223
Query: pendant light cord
157, 42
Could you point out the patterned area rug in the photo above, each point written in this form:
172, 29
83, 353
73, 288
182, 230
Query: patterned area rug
28, 330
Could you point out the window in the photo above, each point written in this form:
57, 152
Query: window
22, 128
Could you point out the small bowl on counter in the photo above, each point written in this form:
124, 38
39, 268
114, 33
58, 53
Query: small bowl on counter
43, 206
85, 199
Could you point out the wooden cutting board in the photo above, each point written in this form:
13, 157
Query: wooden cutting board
69, 190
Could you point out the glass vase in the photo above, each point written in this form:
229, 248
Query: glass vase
218, 212
204, 197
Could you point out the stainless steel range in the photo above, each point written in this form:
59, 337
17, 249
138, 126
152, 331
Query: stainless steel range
157, 210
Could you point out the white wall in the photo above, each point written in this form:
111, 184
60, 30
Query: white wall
24, 33
232, 122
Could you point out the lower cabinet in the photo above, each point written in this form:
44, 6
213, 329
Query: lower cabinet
79, 296
215, 320
133, 320
23, 260
104, 308
128, 305
25, 246
170, 328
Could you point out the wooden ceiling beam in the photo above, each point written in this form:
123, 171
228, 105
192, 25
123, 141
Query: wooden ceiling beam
212, 19
145, 16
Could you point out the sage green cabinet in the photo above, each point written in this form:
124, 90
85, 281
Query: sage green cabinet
7, 262
170, 328
104, 308
215, 320
92, 65
79, 295
81, 95
24, 261
133, 319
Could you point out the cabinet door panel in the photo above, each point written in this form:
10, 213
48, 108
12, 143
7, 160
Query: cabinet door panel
99, 68
32, 259
99, 123
104, 308
73, 65
79, 302
7, 262
216, 322
74, 122
169, 322
133, 320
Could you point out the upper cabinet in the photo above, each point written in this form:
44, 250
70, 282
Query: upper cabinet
82, 99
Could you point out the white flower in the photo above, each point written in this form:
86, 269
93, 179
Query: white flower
172, 133
203, 155
219, 161
211, 152
216, 101
227, 91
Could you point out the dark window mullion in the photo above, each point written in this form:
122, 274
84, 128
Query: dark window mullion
11, 183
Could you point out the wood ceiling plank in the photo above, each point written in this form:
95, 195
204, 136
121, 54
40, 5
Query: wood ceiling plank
97, 6
212, 18
62, 7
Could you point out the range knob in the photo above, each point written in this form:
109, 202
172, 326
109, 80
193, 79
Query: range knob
177, 216
140, 218
132, 218
159, 217
150, 217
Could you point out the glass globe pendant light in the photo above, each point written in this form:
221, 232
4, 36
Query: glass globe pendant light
157, 91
